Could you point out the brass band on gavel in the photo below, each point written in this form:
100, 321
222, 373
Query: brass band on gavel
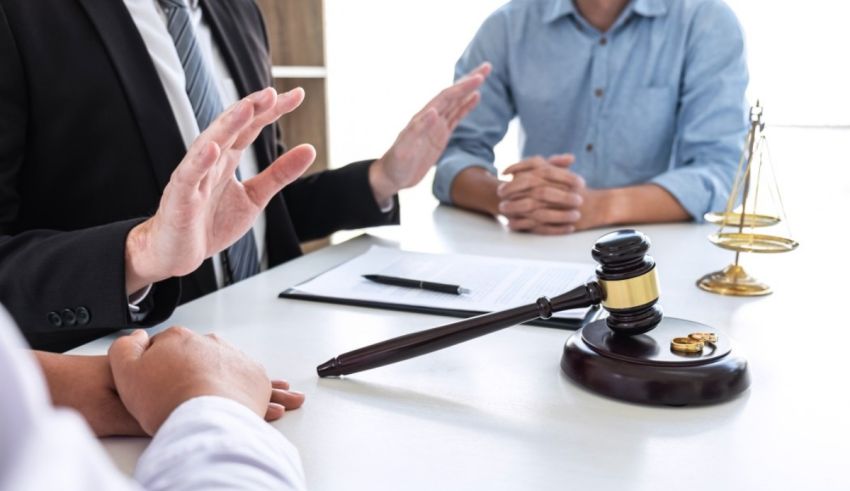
631, 292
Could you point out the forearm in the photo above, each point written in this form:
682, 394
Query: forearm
49, 366
645, 203
47, 281
476, 189
84, 383
339, 199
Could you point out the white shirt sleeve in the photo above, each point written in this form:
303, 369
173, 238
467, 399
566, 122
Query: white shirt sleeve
206, 443
42, 447
215, 443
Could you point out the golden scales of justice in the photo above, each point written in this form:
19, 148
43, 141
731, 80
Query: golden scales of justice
752, 225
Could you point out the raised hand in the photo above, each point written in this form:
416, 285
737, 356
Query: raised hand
425, 137
204, 208
544, 197
156, 375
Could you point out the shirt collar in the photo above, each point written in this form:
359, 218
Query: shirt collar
646, 8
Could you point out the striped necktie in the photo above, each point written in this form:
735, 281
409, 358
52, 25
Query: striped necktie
240, 260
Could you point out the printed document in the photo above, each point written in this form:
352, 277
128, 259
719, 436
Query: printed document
496, 283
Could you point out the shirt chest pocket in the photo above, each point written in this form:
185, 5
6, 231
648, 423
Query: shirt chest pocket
640, 133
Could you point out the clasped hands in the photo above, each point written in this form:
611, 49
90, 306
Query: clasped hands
546, 197
132, 390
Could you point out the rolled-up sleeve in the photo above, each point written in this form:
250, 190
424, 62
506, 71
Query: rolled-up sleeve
472, 143
712, 122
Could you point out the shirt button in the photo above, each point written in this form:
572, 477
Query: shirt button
598, 92
54, 319
603, 41
589, 147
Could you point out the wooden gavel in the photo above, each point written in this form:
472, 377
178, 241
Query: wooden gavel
626, 285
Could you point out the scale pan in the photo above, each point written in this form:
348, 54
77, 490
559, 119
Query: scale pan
733, 218
744, 242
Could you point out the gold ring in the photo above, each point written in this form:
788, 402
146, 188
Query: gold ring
686, 345
706, 337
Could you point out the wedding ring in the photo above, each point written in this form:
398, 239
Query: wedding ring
706, 337
686, 345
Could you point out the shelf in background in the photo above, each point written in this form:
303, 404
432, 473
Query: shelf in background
299, 72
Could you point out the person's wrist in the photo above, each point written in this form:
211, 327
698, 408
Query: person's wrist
141, 268
607, 208
477, 189
383, 188
493, 203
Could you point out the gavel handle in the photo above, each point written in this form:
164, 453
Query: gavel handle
419, 343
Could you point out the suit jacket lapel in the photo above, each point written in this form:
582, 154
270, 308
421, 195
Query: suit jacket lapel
244, 49
247, 63
147, 97
142, 86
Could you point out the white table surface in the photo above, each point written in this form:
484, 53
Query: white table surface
497, 413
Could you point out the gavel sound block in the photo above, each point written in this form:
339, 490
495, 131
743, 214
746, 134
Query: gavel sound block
625, 356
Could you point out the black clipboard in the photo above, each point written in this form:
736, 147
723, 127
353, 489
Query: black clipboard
554, 322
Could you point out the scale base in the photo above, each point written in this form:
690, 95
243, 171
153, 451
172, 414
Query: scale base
733, 281
645, 370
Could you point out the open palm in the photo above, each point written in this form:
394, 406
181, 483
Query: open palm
204, 208
423, 140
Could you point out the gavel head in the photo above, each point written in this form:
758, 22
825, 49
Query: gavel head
629, 282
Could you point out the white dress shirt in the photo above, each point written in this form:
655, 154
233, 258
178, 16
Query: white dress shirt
206, 443
150, 20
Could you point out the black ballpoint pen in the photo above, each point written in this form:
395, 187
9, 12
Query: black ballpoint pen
408, 283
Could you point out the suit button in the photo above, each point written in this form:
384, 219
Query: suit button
83, 315
68, 317
54, 319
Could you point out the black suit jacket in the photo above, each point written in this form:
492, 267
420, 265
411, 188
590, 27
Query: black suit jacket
87, 144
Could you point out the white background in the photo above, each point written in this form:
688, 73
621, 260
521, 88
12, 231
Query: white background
388, 58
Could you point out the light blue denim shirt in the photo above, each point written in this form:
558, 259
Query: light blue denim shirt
659, 98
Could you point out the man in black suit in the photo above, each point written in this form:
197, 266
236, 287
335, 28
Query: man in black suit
91, 130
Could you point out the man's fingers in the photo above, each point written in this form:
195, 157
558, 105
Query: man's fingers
521, 224
282, 104
227, 127
290, 399
522, 184
526, 164
538, 211
128, 349
465, 108
549, 216
526, 224
450, 98
484, 69
557, 197
274, 412
547, 229
281, 172
195, 166
562, 160
524, 206
280, 384
282, 400
564, 177
458, 91
552, 175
